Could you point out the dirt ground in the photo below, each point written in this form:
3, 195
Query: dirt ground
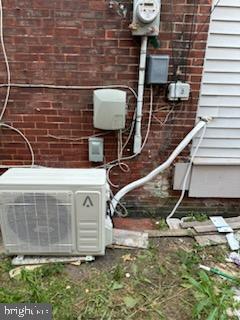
147, 284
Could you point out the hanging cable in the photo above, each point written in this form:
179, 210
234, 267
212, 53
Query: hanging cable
172, 46
24, 138
190, 41
120, 160
8, 89
206, 20
47, 86
63, 87
186, 176
6, 63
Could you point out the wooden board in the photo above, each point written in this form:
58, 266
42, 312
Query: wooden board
2, 250
212, 228
210, 239
128, 238
170, 233
191, 224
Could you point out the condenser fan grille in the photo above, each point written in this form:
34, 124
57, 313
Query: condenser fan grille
39, 221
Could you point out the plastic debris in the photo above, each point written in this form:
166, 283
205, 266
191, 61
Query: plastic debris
221, 224
128, 257
16, 272
218, 272
232, 241
235, 258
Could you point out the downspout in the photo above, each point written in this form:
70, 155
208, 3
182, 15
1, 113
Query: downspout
141, 79
138, 183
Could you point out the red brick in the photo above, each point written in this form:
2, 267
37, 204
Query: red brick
85, 43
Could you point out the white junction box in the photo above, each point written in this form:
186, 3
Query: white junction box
54, 211
110, 107
178, 91
146, 17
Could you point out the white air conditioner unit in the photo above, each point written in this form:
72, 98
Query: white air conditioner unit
54, 211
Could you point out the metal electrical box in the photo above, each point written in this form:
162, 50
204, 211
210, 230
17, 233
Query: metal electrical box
157, 69
109, 109
95, 149
146, 17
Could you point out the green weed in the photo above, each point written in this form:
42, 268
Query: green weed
213, 299
47, 284
197, 217
161, 224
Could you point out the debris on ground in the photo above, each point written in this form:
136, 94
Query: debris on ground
36, 260
128, 238
235, 258
219, 273
16, 272
210, 232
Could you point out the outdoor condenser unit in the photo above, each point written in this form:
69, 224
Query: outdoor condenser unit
54, 211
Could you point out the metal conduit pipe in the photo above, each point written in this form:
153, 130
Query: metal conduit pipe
138, 183
141, 79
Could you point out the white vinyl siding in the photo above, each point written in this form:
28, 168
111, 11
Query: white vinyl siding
220, 89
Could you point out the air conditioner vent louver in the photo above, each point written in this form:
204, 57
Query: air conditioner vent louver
38, 221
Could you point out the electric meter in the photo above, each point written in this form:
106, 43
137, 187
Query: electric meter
147, 10
146, 17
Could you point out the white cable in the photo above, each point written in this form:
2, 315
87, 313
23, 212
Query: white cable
140, 182
186, 176
119, 161
21, 85
24, 138
8, 90
119, 213
162, 123
77, 138
63, 87
131, 131
6, 63
146, 136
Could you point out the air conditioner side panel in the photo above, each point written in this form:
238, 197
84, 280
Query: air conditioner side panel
90, 218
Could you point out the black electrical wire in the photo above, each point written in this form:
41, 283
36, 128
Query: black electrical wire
206, 20
193, 37
190, 42
172, 46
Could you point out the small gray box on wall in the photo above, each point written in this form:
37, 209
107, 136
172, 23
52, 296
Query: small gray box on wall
157, 69
95, 148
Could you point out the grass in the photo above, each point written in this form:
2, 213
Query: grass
161, 224
213, 298
162, 283
197, 216
46, 284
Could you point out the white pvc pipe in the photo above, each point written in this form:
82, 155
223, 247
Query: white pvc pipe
142, 68
136, 184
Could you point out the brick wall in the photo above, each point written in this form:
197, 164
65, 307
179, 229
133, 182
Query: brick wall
72, 42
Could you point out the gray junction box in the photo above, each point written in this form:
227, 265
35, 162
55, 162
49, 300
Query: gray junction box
157, 69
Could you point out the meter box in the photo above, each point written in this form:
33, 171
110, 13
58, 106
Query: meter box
146, 17
109, 108
157, 69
